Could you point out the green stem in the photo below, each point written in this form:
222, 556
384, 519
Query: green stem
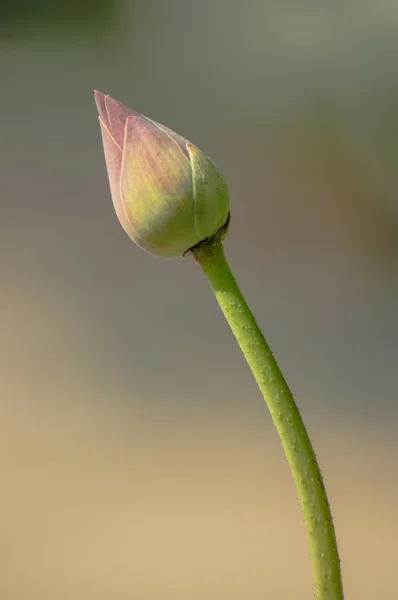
286, 417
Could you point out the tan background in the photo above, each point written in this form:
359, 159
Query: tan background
137, 457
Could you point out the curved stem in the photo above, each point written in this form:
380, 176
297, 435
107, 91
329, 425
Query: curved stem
286, 417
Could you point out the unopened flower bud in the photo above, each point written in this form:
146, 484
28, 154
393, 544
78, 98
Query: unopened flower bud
167, 194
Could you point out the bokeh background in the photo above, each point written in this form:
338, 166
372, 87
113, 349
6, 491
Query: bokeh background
138, 459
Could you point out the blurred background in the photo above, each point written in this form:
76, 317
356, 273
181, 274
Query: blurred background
138, 458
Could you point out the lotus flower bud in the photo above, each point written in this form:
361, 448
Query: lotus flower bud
167, 194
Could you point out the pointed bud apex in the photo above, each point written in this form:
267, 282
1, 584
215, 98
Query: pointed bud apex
167, 194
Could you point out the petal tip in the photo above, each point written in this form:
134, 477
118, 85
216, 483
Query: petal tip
100, 100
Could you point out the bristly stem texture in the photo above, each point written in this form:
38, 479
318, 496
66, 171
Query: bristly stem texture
286, 417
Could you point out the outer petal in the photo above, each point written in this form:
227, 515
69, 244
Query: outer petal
156, 190
113, 159
100, 102
210, 193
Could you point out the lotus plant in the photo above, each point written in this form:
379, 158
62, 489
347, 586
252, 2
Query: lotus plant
172, 201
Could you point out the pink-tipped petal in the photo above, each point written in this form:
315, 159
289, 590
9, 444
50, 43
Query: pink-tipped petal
101, 107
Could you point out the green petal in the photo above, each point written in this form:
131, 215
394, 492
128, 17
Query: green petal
210, 193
